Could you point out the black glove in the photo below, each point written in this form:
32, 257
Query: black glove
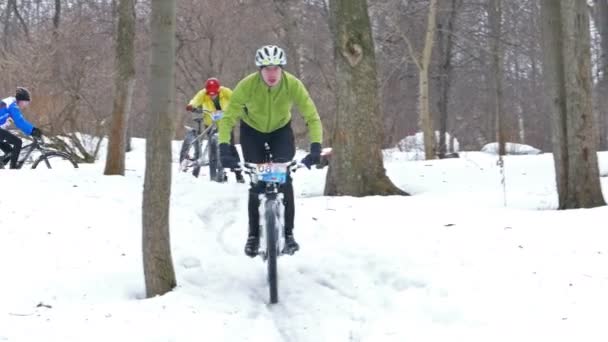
36, 133
226, 157
314, 157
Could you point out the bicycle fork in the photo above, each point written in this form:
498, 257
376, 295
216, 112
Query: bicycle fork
271, 206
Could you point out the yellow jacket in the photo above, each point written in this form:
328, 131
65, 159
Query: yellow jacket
201, 99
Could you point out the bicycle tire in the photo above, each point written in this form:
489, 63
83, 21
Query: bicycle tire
220, 176
204, 160
216, 172
48, 155
272, 249
188, 143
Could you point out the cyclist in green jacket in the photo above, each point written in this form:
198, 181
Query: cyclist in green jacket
262, 102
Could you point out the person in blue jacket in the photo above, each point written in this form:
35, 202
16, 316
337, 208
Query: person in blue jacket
10, 108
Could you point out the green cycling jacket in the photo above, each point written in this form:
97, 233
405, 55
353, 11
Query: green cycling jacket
267, 109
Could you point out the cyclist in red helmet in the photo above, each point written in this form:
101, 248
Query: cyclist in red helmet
214, 97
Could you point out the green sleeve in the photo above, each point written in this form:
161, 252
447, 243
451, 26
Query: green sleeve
309, 112
232, 113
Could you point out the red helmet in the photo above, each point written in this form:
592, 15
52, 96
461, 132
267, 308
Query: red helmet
212, 86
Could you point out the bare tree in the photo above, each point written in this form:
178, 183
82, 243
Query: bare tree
124, 83
495, 23
567, 65
601, 21
445, 34
423, 63
56, 67
158, 264
357, 167
24, 26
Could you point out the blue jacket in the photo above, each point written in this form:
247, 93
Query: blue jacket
9, 109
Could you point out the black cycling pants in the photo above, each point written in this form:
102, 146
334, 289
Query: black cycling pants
10, 143
282, 148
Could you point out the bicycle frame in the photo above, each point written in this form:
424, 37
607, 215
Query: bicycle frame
201, 134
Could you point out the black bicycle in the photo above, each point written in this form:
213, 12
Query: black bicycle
194, 153
37, 154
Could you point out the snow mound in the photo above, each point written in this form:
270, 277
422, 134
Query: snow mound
512, 149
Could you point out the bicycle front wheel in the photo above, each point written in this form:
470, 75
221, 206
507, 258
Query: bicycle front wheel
216, 171
55, 160
272, 249
191, 151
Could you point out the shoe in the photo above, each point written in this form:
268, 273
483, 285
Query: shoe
291, 246
252, 246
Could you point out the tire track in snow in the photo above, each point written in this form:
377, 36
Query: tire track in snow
223, 214
229, 223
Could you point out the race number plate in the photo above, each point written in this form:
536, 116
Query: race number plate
275, 173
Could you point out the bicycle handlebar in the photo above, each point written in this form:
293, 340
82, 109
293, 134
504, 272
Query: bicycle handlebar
291, 165
200, 110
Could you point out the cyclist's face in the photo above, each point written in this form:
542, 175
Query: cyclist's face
23, 104
271, 75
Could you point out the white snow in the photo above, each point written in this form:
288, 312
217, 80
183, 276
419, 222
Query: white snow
414, 145
450, 263
511, 148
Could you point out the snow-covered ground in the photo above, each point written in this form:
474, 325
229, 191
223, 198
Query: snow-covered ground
450, 263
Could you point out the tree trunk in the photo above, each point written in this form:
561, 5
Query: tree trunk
56, 67
445, 41
519, 96
56, 16
7, 44
602, 25
129, 145
357, 164
158, 264
495, 23
567, 71
26, 31
124, 84
426, 119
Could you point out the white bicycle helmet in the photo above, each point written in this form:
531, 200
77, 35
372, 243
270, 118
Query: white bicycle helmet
269, 55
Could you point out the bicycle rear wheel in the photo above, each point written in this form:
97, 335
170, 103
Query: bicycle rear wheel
55, 160
272, 249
